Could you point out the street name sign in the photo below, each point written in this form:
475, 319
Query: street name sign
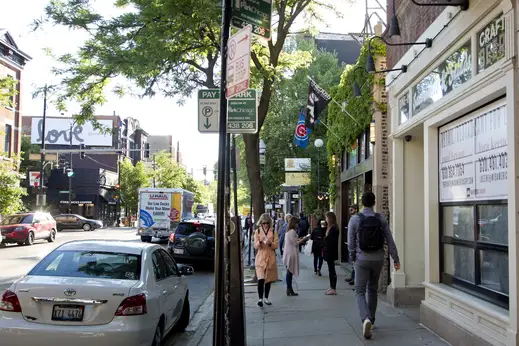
208, 110
238, 62
257, 13
242, 113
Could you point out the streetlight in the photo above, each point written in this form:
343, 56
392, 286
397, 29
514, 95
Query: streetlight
318, 144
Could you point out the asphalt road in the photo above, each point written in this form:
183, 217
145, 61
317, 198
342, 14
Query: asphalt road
16, 261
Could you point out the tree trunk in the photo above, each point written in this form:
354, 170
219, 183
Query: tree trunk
254, 173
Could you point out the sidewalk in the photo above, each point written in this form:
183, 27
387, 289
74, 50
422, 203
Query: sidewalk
315, 319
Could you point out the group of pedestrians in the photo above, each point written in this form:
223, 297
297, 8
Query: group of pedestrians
367, 233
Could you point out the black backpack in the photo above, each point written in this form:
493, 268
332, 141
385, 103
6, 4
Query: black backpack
371, 235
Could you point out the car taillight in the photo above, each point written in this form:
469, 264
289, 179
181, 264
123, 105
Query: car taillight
172, 237
10, 302
131, 306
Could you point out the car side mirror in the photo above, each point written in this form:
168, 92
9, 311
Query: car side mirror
185, 270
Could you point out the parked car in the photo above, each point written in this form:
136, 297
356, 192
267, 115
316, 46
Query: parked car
97, 292
25, 228
73, 221
193, 240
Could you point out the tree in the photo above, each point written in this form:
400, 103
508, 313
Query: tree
10, 190
8, 90
167, 173
132, 179
169, 47
26, 149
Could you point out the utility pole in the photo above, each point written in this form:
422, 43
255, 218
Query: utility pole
118, 201
153, 165
71, 172
42, 155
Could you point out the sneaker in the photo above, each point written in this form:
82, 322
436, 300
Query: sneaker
331, 292
260, 303
366, 329
319, 273
266, 301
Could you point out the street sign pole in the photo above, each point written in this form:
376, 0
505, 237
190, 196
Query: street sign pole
42, 155
220, 335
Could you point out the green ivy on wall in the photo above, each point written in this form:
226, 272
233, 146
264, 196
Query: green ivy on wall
345, 129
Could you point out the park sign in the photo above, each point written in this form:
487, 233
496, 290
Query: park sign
208, 110
242, 113
238, 62
257, 13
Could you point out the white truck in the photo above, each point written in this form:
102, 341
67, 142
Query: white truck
161, 210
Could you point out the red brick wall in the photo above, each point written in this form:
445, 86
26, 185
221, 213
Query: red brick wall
414, 20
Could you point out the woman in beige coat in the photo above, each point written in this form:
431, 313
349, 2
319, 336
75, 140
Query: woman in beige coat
266, 243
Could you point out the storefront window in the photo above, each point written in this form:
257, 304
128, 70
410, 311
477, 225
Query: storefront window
352, 156
473, 199
491, 43
362, 146
403, 106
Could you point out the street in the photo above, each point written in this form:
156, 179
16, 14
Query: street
16, 261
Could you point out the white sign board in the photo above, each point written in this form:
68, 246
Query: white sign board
155, 208
238, 62
34, 179
297, 165
473, 156
208, 110
57, 132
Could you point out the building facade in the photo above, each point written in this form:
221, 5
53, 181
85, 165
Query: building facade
12, 62
455, 180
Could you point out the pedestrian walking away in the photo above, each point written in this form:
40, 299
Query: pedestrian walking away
367, 232
291, 253
304, 226
317, 237
281, 234
331, 250
354, 209
266, 243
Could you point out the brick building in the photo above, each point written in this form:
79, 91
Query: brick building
454, 178
12, 62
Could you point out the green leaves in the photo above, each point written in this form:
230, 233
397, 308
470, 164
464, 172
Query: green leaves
8, 90
10, 190
132, 179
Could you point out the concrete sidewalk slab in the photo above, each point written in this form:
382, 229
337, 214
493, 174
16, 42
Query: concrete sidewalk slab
312, 318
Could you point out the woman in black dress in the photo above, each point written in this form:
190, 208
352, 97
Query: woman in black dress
331, 250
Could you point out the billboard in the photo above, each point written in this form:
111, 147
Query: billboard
297, 179
297, 165
57, 132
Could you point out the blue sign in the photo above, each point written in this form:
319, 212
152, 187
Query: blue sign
146, 218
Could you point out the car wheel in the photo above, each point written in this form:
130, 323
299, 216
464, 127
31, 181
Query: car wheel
157, 337
59, 229
30, 239
183, 321
87, 227
52, 236
146, 239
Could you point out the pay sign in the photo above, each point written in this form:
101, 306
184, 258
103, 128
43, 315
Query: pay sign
238, 62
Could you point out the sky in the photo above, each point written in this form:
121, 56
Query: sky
158, 116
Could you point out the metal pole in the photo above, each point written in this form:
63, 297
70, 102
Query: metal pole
71, 170
250, 228
236, 288
118, 201
42, 156
318, 172
153, 170
219, 326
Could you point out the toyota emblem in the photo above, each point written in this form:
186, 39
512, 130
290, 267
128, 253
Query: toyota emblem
70, 292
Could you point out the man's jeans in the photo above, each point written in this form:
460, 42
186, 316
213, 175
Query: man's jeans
367, 274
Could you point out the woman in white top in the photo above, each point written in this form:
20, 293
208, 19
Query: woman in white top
291, 253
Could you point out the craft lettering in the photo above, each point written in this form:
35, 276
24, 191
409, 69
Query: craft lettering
53, 135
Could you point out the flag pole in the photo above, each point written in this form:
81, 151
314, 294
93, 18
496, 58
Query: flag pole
337, 103
333, 133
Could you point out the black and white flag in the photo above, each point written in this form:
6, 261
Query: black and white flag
318, 99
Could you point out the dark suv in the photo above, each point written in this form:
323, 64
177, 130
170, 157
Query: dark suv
193, 240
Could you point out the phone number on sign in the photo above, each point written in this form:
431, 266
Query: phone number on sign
493, 162
452, 171
240, 125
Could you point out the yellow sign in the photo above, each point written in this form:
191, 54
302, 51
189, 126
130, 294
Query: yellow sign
245, 210
297, 179
176, 207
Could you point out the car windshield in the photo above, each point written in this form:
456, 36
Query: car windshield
188, 228
104, 265
17, 219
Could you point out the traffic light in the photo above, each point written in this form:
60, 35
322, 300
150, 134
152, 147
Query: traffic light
81, 153
70, 173
117, 186
205, 170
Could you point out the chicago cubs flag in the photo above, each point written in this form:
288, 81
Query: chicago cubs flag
302, 132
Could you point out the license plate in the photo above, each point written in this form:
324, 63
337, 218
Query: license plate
69, 313
178, 251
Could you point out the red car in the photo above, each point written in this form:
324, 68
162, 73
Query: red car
24, 229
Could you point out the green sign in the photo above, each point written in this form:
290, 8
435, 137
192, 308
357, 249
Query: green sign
63, 191
257, 13
242, 113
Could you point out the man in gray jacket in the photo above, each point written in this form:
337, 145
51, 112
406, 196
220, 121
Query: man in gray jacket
367, 232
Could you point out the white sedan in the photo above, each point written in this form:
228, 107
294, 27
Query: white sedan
97, 293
